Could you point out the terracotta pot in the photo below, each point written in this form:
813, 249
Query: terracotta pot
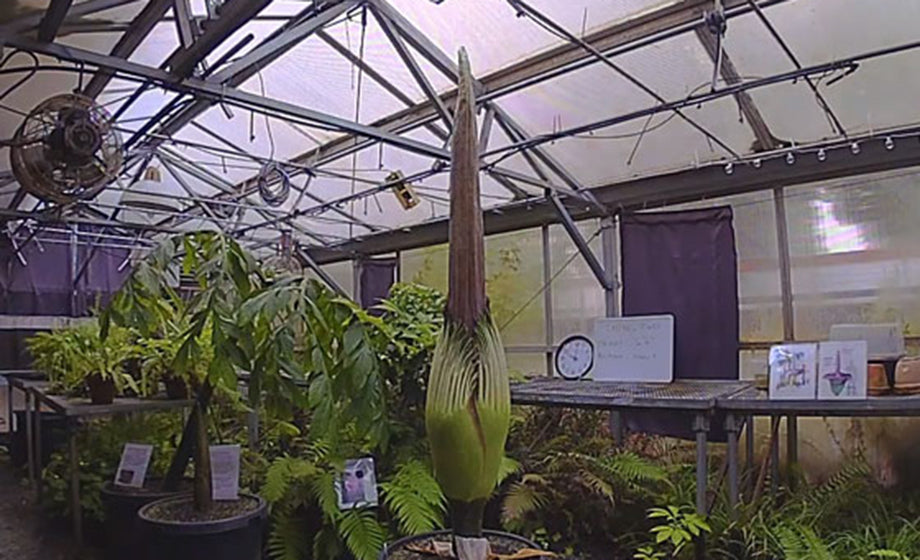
101, 391
176, 388
878, 380
907, 376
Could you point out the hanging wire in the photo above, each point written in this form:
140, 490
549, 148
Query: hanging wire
354, 156
547, 284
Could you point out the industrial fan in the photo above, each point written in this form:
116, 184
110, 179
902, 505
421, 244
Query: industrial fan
66, 149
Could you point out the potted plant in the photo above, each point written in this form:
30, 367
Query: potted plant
78, 359
239, 320
468, 405
157, 355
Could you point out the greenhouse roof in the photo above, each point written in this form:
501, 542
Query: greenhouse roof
587, 107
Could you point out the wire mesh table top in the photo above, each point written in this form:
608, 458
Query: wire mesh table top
754, 401
685, 394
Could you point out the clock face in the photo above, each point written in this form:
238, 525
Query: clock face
575, 357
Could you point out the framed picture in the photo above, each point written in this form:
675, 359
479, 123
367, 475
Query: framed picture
793, 371
842, 370
357, 486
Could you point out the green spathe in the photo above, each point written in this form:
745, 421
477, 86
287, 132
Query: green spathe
468, 410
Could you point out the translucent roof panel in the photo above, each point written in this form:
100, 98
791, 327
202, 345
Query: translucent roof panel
879, 94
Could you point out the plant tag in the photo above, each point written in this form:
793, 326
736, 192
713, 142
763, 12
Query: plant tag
225, 472
357, 486
132, 470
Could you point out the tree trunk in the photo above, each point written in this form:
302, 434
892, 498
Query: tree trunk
203, 500
187, 443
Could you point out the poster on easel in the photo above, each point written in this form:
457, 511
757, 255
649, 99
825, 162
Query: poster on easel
842, 370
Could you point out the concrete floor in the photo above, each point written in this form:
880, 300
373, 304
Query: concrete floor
24, 533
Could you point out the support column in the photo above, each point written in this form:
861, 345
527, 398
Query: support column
75, 509
749, 442
785, 271
731, 429
792, 448
701, 429
550, 337
774, 456
609, 247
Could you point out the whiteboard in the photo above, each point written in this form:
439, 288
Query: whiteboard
634, 349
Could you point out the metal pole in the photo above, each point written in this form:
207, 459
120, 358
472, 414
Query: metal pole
38, 448
785, 272
701, 428
774, 456
749, 452
609, 247
75, 485
731, 430
548, 299
30, 437
792, 447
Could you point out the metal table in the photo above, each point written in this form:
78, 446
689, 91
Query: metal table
73, 410
696, 397
753, 402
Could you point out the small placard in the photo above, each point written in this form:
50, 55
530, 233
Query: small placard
842, 370
132, 470
793, 370
357, 487
225, 472
634, 349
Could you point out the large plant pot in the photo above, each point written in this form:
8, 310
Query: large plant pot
101, 390
236, 537
502, 543
123, 535
176, 388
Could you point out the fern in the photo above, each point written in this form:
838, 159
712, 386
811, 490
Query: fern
415, 498
506, 468
362, 533
288, 539
282, 473
522, 498
802, 544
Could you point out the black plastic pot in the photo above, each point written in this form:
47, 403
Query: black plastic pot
123, 534
235, 538
401, 543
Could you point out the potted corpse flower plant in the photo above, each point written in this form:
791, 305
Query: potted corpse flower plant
468, 404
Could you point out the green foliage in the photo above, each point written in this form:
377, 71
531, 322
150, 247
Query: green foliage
678, 526
414, 498
69, 355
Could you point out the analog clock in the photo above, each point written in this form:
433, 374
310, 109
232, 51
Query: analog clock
575, 357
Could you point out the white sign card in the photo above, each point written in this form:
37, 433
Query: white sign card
225, 472
357, 486
634, 349
793, 371
842, 370
132, 470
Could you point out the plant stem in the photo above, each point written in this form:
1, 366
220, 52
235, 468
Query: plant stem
187, 443
203, 500
466, 517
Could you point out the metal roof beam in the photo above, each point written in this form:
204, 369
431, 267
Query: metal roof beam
612, 40
689, 185
52, 20
31, 21
217, 93
138, 30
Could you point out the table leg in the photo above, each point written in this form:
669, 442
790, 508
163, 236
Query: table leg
774, 456
701, 428
749, 452
38, 449
75, 485
615, 423
30, 441
731, 430
792, 447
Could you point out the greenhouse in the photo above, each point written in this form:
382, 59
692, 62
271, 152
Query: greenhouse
459, 279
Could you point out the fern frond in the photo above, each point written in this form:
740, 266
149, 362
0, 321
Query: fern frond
363, 534
522, 497
506, 468
282, 473
323, 486
597, 485
288, 539
415, 498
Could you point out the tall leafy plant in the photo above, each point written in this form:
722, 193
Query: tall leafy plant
468, 408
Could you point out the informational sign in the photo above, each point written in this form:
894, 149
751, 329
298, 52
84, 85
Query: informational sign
634, 349
793, 372
843, 370
225, 472
357, 487
132, 470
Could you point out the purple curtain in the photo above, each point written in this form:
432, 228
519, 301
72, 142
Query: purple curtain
684, 263
377, 275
